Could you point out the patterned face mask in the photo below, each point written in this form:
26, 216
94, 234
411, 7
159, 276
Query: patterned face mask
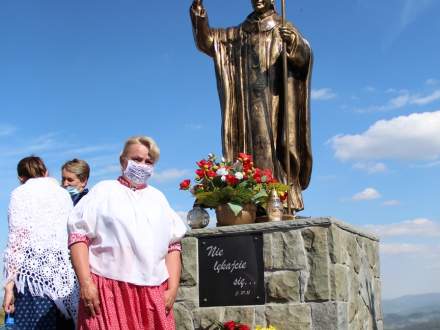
138, 174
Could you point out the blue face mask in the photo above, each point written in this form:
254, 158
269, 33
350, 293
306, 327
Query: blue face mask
72, 190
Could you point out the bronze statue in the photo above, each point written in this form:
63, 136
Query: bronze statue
249, 70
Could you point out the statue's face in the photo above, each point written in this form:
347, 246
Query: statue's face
261, 6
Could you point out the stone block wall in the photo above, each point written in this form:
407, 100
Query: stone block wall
320, 274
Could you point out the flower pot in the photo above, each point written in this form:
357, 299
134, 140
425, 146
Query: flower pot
226, 217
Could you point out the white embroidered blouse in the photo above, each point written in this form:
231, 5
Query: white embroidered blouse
128, 232
36, 255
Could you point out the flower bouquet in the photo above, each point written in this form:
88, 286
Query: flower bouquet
231, 325
234, 325
235, 184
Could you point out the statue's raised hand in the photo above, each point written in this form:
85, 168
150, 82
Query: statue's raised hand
197, 6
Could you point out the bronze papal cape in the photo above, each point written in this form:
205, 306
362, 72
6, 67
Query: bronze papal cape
248, 66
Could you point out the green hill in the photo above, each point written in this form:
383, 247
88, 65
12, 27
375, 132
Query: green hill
415, 312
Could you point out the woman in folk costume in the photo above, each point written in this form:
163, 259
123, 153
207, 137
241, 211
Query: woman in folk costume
40, 281
125, 244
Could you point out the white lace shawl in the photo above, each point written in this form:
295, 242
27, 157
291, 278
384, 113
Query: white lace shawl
36, 255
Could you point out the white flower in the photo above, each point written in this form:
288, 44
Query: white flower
239, 175
223, 178
221, 171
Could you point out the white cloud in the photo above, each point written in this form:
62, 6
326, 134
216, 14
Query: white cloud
43, 143
414, 137
428, 165
322, 94
429, 252
394, 91
399, 101
366, 194
412, 9
402, 248
106, 171
370, 167
431, 82
369, 89
404, 98
419, 227
422, 100
91, 149
6, 130
169, 174
391, 202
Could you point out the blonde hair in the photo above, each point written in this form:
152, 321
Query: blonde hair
78, 167
153, 149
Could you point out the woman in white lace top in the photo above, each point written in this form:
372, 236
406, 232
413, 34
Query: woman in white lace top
39, 279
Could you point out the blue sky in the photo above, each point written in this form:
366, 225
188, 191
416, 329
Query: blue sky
79, 77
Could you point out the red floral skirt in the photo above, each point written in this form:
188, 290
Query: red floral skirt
126, 306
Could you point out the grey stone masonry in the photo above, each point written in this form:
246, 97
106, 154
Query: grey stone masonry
319, 274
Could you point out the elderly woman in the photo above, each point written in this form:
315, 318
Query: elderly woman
124, 240
40, 281
74, 176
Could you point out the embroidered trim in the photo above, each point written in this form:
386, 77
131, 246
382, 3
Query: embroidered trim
76, 238
174, 247
122, 180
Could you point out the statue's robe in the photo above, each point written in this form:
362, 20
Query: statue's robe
249, 70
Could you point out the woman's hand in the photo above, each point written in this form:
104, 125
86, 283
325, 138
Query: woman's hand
169, 297
174, 267
9, 298
90, 296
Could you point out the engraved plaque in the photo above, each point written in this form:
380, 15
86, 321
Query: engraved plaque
231, 270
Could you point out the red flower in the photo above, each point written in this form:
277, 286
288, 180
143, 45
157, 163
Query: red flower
230, 325
231, 179
244, 157
257, 175
184, 185
202, 163
210, 173
268, 175
200, 173
243, 327
247, 167
283, 196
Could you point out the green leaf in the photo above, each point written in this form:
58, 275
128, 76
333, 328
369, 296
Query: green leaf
243, 184
260, 194
235, 208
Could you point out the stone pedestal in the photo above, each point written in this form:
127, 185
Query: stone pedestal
320, 274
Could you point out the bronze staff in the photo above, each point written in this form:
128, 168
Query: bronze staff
286, 104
